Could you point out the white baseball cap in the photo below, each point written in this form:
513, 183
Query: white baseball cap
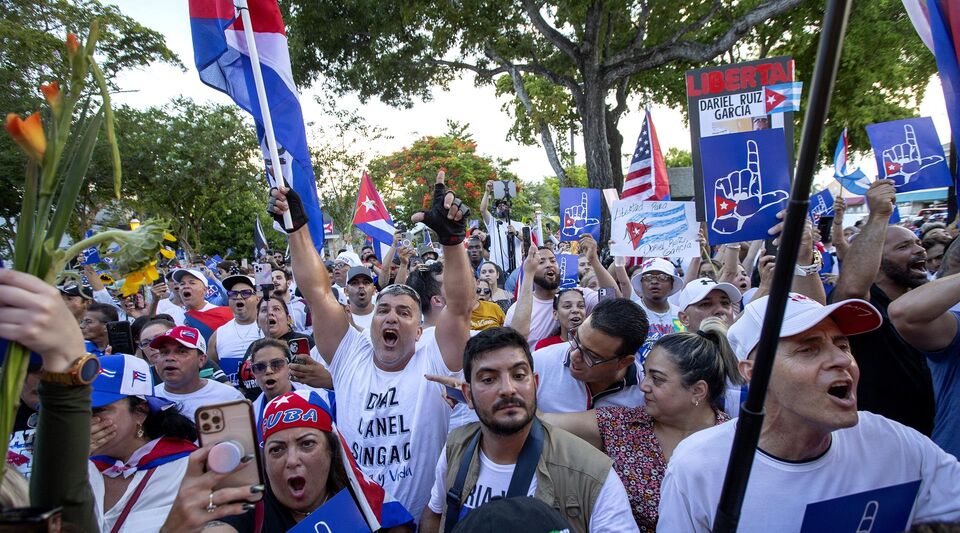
657, 264
350, 258
179, 273
698, 289
852, 317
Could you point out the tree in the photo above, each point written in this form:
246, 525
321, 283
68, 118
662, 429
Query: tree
31, 52
676, 157
405, 178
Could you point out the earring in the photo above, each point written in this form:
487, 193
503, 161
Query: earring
139, 431
697, 402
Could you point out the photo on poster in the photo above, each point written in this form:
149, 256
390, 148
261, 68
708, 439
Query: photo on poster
654, 229
745, 185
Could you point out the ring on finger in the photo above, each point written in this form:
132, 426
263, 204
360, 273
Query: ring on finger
211, 507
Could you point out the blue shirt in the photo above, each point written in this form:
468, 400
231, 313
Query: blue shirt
945, 370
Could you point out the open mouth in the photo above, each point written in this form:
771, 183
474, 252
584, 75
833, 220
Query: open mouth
185, 294
239, 305
272, 321
270, 383
390, 337
296, 485
576, 320
919, 265
169, 368
841, 390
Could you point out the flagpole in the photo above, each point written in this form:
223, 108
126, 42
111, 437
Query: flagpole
264, 105
751, 412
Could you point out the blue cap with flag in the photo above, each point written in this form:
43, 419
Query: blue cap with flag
122, 376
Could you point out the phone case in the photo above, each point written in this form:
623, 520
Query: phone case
300, 347
120, 337
232, 421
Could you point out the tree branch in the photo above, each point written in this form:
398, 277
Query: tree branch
695, 51
636, 45
552, 34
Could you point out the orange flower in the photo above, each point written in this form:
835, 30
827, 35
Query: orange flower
28, 134
51, 91
73, 43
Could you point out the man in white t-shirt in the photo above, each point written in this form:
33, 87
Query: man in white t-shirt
544, 285
393, 420
597, 367
229, 342
820, 464
182, 354
501, 233
198, 312
657, 280
511, 448
360, 293
282, 288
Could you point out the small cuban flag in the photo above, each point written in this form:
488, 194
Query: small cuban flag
854, 180
782, 98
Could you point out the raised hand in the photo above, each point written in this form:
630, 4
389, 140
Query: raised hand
447, 215
903, 161
739, 195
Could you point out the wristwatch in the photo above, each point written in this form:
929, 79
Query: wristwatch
82, 372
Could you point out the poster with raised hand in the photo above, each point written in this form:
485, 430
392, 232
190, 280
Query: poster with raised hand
746, 183
654, 229
909, 153
579, 213
569, 276
821, 205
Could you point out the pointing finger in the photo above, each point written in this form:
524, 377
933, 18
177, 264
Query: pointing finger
753, 157
911, 136
441, 176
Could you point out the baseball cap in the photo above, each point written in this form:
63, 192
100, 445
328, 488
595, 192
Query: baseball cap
230, 281
526, 514
657, 264
74, 289
179, 273
122, 376
359, 271
852, 317
426, 249
348, 257
299, 408
185, 335
698, 289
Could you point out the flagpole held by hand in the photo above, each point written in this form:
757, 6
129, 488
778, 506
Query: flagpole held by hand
264, 105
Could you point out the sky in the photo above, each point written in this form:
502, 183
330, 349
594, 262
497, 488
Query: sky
463, 102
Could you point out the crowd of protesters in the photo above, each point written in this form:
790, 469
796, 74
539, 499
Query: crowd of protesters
463, 380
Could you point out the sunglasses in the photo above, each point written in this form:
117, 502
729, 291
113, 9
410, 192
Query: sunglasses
483, 291
659, 277
244, 294
275, 364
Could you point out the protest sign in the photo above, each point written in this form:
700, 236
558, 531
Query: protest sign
909, 153
579, 213
654, 229
339, 515
730, 99
569, 275
821, 205
746, 185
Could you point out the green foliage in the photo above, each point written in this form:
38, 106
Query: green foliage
405, 178
677, 157
547, 192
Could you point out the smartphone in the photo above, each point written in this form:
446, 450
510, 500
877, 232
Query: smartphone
233, 424
825, 227
455, 394
526, 240
769, 248
120, 337
300, 347
606, 293
31, 519
243, 263
405, 239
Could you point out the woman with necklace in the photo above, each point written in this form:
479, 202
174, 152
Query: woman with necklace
306, 464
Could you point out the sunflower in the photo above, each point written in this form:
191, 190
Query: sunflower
134, 280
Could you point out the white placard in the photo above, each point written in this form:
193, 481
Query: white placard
654, 229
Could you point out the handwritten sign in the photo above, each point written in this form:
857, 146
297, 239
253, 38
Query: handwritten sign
654, 229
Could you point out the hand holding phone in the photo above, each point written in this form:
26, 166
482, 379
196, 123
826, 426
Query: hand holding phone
229, 430
120, 337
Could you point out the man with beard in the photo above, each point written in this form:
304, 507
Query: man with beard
229, 342
539, 323
511, 453
597, 367
882, 264
360, 293
198, 312
281, 288
394, 421
656, 281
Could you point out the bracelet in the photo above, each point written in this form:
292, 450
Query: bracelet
812, 268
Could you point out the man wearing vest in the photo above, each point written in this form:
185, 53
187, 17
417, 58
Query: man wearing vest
511, 453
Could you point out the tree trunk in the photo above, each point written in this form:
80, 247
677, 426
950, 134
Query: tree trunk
543, 128
615, 141
596, 148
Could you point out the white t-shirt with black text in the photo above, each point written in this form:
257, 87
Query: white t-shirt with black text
611, 511
395, 423
210, 393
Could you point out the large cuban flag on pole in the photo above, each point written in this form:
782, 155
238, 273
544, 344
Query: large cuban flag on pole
372, 218
245, 55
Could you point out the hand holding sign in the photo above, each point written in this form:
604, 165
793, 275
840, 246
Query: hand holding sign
739, 195
902, 162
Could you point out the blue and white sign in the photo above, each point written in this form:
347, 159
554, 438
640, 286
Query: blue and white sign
339, 515
884, 510
909, 153
746, 183
821, 205
579, 213
569, 275
89, 256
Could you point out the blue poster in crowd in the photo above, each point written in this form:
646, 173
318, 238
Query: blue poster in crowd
213, 262
569, 276
821, 205
579, 213
884, 510
895, 216
745, 184
339, 515
89, 256
909, 153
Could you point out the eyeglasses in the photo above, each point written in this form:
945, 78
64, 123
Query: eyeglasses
275, 365
660, 276
145, 343
483, 291
244, 294
589, 356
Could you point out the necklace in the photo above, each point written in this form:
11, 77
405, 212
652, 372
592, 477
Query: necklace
302, 514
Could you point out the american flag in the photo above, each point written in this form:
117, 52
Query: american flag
647, 175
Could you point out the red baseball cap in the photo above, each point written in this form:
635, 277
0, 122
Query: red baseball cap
185, 335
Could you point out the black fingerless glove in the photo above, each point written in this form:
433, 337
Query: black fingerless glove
449, 232
294, 206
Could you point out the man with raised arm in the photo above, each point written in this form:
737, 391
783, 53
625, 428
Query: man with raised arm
394, 421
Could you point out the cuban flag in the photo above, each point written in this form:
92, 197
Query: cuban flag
221, 55
782, 98
372, 218
328, 226
854, 180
